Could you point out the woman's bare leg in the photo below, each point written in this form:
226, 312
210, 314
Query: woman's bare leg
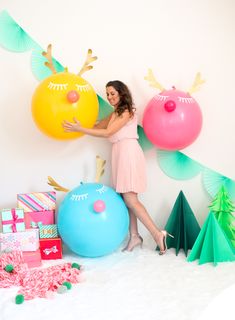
136, 207
135, 239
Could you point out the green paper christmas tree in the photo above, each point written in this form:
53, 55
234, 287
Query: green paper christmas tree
212, 244
222, 207
183, 225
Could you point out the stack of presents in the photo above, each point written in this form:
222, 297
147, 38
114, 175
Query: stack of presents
31, 228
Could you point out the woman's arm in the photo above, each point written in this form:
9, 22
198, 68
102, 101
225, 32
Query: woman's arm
102, 124
114, 126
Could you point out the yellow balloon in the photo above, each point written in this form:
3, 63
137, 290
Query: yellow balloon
63, 96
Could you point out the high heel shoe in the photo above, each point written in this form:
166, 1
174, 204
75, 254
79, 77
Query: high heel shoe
165, 234
134, 241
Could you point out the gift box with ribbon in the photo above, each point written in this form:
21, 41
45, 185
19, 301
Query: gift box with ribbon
51, 248
38, 207
27, 240
12, 220
48, 231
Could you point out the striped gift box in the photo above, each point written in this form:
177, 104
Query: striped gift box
48, 231
37, 201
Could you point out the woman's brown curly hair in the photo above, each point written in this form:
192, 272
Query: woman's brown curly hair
126, 102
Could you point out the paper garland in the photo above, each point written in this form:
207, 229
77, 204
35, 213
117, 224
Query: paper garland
13, 37
40, 71
213, 181
177, 165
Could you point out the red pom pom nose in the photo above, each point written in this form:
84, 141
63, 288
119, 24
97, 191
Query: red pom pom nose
72, 96
170, 106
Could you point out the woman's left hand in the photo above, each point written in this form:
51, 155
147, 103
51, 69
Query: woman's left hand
72, 126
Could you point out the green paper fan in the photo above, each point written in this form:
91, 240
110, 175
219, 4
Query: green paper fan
143, 140
213, 181
177, 165
39, 69
12, 36
105, 108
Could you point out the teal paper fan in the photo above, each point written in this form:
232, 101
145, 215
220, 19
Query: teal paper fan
39, 69
105, 108
177, 165
213, 181
12, 36
143, 140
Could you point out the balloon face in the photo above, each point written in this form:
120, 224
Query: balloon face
172, 120
93, 220
63, 96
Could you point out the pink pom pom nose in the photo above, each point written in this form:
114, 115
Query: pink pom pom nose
99, 206
72, 96
170, 106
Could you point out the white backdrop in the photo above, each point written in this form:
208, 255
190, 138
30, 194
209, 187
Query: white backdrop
174, 38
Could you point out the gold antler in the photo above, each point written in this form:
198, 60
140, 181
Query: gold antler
100, 163
196, 84
48, 56
55, 185
152, 81
89, 60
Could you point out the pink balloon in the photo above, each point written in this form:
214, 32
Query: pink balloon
172, 120
99, 206
72, 96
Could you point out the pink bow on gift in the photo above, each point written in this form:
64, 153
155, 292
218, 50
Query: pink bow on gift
53, 249
14, 220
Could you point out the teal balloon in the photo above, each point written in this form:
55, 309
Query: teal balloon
88, 229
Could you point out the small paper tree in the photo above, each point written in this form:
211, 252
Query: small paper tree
222, 207
212, 244
183, 225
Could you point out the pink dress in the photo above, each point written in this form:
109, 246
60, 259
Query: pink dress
128, 161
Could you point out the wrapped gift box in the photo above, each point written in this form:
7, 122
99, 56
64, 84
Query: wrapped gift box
12, 220
38, 207
27, 240
34, 219
51, 248
32, 258
48, 231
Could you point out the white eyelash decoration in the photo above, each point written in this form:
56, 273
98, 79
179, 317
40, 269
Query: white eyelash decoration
186, 100
160, 97
82, 88
101, 190
78, 197
57, 86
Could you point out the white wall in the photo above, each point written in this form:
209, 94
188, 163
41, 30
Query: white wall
175, 38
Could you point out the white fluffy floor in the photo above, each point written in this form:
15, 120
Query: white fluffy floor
137, 285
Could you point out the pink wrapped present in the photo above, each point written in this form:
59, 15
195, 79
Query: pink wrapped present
27, 240
38, 207
34, 219
32, 258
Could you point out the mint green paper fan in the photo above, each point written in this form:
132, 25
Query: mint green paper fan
105, 109
143, 140
213, 181
177, 165
12, 36
38, 67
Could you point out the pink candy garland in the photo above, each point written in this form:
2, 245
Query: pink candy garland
37, 282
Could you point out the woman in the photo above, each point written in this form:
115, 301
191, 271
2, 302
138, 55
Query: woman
128, 162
